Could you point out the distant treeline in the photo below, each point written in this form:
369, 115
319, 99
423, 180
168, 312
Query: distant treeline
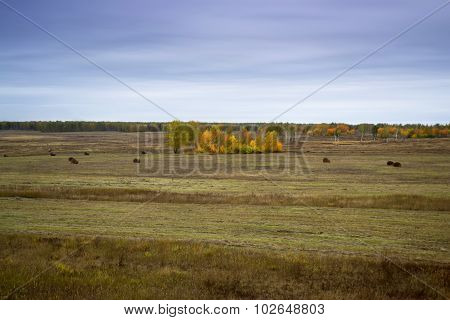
336, 130
80, 126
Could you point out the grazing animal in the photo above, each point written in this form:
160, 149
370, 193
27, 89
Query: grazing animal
73, 161
52, 154
71, 158
136, 161
5, 155
86, 153
390, 163
326, 160
143, 152
397, 164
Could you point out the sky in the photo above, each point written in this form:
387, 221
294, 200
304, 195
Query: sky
225, 61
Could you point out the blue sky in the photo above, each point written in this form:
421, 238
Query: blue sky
234, 60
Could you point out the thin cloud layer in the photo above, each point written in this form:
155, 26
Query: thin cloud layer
225, 61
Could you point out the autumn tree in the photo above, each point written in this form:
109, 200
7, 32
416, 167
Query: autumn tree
393, 131
341, 129
405, 132
277, 128
383, 132
331, 132
181, 134
271, 143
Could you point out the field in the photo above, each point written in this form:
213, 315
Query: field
187, 226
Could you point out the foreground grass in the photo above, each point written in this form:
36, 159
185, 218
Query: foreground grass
422, 235
95, 268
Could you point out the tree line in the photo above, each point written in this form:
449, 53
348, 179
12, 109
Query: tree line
81, 126
334, 130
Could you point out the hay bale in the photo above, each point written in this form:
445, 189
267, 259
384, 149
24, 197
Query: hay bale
397, 164
86, 153
52, 154
326, 160
390, 163
143, 152
136, 161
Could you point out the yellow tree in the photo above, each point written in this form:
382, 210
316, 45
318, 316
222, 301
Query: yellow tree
205, 141
271, 142
405, 132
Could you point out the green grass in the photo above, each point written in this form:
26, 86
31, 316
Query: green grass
402, 233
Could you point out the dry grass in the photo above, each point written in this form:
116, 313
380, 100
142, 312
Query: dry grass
360, 207
395, 201
406, 234
144, 269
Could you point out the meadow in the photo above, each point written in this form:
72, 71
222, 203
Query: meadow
242, 227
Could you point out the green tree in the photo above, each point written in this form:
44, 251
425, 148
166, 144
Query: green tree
181, 134
375, 131
362, 130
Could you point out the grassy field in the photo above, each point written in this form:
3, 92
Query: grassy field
354, 228
104, 268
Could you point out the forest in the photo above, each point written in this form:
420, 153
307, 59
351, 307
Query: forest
336, 130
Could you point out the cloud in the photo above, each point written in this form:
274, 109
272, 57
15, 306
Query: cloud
225, 61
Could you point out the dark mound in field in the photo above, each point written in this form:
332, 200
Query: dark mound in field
52, 154
397, 164
86, 153
73, 160
326, 160
136, 161
5, 155
390, 163
143, 152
